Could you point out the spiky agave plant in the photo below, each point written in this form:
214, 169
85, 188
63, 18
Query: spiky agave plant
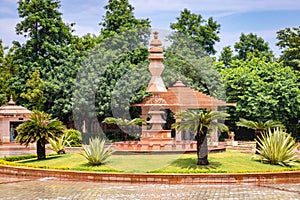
96, 152
276, 147
60, 143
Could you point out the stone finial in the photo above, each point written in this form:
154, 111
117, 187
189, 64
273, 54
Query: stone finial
11, 101
155, 33
155, 42
179, 82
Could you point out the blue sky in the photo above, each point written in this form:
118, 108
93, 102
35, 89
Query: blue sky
262, 17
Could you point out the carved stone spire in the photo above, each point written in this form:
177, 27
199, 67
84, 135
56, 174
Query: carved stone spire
156, 66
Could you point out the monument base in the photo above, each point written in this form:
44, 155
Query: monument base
173, 146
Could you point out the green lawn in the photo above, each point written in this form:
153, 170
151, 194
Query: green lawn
225, 162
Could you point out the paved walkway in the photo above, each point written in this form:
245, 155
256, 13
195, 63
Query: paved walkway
12, 187
50, 189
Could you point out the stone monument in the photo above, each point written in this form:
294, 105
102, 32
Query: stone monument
156, 86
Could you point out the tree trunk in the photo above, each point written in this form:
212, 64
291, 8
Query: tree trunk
202, 148
40, 150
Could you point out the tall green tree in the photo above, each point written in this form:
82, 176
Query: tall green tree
102, 76
204, 32
200, 122
252, 44
289, 42
47, 38
39, 128
119, 17
110, 80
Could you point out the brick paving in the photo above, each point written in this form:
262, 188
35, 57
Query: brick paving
12, 187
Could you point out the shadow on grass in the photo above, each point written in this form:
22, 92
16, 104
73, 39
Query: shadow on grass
35, 160
191, 164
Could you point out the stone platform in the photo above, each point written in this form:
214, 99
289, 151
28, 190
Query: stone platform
175, 146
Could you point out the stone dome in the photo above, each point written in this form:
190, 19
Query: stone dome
12, 109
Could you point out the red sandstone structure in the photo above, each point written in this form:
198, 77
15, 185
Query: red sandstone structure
177, 98
11, 116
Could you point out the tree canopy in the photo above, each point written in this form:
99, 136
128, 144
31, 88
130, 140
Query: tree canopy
119, 17
251, 43
289, 42
262, 90
48, 38
205, 32
55, 71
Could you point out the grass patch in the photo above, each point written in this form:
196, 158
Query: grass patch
224, 162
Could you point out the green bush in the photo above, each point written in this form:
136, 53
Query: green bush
21, 157
276, 147
96, 152
75, 137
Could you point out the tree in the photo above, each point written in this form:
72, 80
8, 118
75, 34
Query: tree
289, 42
3, 75
200, 122
47, 38
7, 70
204, 32
226, 56
187, 59
103, 79
252, 44
119, 17
109, 80
39, 128
262, 91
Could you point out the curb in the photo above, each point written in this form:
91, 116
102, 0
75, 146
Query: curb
252, 178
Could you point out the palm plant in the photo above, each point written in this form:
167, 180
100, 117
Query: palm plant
259, 127
40, 128
96, 152
200, 122
276, 147
125, 124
